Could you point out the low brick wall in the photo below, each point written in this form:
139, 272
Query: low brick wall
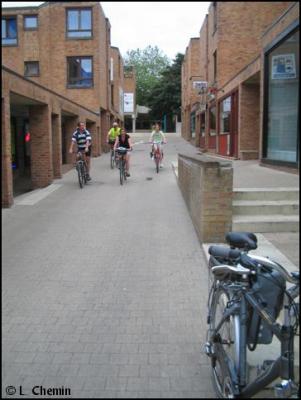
206, 184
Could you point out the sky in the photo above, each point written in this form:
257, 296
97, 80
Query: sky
168, 25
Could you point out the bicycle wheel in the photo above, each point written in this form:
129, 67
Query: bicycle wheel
157, 160
79, 173
121, 170
225, 344
84, 173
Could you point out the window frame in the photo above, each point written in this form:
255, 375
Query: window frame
8, 17
214, 65
79, 20
31, 16
71, 86
216, 120
278, 41
31, 62
220, 108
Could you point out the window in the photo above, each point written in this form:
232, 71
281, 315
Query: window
282, 101
31, 68
212, 121
30, 22
79, 23
214, 65
225, 112
203, 124
112, 95
214, 17
80, 74
9, 31
192, 125
112, 70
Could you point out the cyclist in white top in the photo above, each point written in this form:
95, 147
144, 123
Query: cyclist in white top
157, 138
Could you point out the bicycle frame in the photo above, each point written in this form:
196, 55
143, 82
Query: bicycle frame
282, 367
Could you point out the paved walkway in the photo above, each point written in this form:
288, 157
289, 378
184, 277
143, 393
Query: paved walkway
105, 288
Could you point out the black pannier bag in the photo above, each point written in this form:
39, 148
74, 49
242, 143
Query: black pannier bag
269, 290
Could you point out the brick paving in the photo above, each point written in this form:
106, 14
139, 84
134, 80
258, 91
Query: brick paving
104, 289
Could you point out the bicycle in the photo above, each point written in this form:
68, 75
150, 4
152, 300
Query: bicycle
122, 151
157, 154
81, 169
245, 300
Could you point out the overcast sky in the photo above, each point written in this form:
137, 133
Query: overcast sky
169, 25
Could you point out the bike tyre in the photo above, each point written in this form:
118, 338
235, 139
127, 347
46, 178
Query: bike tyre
79, 173
157, 164
84, 173
121, 173
229, 332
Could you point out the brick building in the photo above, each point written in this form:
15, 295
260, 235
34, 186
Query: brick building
61, 51
230, 102
190, 73
116, 84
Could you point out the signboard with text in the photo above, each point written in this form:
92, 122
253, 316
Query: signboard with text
128, 102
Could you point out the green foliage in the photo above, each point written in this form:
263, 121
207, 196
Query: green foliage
165, 97
149, 63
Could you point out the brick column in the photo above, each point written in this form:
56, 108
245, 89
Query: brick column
7, 177
70, 127
41, 145
104, 130
207, 188
56, 145
91, 126
249, 120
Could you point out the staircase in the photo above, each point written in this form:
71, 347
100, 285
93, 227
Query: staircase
266, 210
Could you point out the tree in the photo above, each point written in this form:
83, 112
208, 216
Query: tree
149, 63
165, 97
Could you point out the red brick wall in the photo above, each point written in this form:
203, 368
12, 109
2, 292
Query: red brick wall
41, 145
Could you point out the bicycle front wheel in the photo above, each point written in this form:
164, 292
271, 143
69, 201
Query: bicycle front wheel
79, 173
225, 344
121, 170
157, 160
84, 173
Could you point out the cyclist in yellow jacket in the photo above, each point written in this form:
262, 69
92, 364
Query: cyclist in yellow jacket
112, 134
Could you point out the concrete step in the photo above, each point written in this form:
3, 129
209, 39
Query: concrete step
266, 223
269, 194
265, 207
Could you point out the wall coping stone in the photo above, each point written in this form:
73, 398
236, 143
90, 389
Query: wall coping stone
206, 161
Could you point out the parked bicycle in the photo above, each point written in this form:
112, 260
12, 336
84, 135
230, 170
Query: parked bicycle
247, 294
81, 168
122, 151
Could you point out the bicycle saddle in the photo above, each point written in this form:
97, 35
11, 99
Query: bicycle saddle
242, 240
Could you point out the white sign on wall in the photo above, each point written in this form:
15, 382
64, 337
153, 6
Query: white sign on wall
199, 85
283, 66
128, 103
